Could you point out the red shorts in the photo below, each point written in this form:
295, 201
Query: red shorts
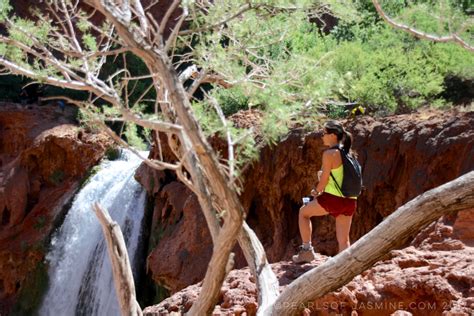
336, 205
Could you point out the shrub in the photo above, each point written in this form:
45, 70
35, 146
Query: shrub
112, 153
57, 177
32, 291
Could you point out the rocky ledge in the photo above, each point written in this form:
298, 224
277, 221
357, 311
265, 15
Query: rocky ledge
434, 275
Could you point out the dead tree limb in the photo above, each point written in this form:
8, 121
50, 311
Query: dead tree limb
392, 233
121, 269
268, 288
435, 38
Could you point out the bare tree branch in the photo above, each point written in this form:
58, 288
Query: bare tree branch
442, 39
156, 125
267, 283
197, 82
198, 167
174, 34
217, 79
19, 70
121, 268
230, 142
167, 16
138, 9
241, 11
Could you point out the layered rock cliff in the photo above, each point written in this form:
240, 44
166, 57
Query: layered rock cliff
43, 157
402, 156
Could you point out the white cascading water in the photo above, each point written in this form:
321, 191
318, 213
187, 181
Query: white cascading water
80, 273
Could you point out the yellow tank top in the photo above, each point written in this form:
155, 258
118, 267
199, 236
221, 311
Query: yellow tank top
331, 187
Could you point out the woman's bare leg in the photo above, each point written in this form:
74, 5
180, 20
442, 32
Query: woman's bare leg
343, 227
304, 219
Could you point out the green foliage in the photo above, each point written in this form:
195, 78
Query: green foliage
336, 111
89, 42
57, 177
87, 118
232, 100
392, 70
362, 61
83, 25
207, 117
87, 178
40, 222
5, 9
160, 294
32, 291
386, 77
133, 138
112, 153
377, 66
275, 125
439, 17
23, 31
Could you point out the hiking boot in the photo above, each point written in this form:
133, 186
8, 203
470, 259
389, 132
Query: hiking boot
304, 255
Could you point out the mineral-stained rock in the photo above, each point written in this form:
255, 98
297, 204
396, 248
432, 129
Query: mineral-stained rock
176, 218
43, 156
401, 156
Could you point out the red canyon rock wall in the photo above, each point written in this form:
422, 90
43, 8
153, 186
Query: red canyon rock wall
43, 157
402, 156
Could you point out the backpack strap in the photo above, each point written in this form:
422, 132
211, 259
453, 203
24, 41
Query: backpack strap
337, 184
338, 147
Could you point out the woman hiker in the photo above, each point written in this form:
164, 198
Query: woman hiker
328, 196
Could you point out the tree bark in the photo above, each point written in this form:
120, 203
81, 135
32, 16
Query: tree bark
225, 195
158, 62
122, 272
392, 233
268, 287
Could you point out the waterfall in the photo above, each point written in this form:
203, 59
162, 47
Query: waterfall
80, 273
